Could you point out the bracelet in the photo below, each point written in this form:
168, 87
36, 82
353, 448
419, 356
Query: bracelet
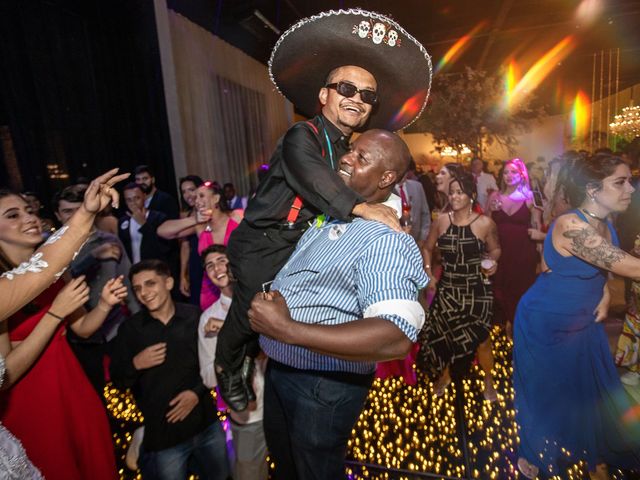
55, 316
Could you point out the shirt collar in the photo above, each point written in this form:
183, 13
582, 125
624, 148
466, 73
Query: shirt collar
335, 135
395, 202
148, 318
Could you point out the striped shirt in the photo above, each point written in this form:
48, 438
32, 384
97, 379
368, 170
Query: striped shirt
338, 271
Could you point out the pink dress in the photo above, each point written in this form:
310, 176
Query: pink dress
53, 409
209, 292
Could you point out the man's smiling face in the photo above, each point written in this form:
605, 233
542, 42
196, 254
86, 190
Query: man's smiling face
348, 114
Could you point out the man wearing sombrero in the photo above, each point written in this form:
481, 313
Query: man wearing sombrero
360, 70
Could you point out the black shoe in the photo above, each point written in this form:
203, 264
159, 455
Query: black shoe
248, 367
231, 386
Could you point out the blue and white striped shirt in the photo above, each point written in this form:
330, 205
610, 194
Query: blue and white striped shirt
336, 272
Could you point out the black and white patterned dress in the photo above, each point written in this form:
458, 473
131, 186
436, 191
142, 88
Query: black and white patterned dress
460, 316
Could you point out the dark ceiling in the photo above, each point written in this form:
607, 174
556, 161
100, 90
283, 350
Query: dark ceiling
523, 30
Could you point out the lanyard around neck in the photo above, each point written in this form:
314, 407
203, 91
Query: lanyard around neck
329, 146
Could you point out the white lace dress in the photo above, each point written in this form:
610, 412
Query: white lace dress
14, 464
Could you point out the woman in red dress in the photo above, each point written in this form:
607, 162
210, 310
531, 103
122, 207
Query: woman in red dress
51, 406
513, 212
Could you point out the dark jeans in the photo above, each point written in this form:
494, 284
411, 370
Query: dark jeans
308, 418
206, 452
256, 255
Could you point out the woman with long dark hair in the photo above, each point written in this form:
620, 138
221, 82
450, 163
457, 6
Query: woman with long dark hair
459, 320
22, 284
190, 266
443, 179
52, 428
570, 403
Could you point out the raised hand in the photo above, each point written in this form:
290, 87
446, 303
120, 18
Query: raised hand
203, 215
113, 292
100, 193
73, 296
152, 356
138, 215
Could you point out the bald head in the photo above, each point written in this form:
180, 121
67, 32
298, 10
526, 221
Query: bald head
377, 161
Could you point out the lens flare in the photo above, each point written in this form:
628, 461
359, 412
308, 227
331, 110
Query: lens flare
458, 48
580, 115
589, 11
511, 78
409, 109
541, 69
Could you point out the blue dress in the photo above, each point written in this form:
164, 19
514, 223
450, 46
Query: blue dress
570, 404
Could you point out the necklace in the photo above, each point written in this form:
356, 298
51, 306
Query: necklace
593, 215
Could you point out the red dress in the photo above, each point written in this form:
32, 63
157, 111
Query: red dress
53, 409
517, 265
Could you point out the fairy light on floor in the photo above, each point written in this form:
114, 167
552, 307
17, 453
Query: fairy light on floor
408, 428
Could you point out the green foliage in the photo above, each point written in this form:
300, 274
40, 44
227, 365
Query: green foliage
468, 108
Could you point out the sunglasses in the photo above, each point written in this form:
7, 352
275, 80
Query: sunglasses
349, 90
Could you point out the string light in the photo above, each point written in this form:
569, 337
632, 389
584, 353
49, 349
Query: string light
408, 428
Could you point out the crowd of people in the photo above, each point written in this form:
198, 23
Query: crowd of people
287, 301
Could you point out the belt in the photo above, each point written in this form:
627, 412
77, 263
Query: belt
301, 226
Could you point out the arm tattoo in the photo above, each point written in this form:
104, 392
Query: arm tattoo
587, 244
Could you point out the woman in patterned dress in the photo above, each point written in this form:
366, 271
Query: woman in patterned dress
459, 320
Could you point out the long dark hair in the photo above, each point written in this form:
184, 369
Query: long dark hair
467, 184
196, 180
586, 174
5, 263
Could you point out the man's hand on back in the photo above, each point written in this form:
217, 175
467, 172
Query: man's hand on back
379, 213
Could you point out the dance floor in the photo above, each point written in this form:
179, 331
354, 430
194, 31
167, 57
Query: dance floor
405, 432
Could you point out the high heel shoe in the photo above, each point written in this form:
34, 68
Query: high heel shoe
439, 389
526, 469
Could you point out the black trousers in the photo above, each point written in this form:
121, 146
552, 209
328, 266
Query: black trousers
256, 255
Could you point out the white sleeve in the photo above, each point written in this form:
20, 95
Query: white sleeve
409, 310
207, 352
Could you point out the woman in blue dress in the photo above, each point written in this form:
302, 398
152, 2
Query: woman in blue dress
570, 404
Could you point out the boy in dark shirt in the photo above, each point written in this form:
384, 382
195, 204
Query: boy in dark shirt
156, 355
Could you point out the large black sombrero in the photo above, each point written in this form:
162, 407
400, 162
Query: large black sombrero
309, 50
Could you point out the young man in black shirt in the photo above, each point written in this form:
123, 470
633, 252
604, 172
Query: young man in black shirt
363, 69
156, 355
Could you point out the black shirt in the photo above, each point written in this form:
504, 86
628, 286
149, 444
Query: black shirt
298, 167
165, 203
155, 387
